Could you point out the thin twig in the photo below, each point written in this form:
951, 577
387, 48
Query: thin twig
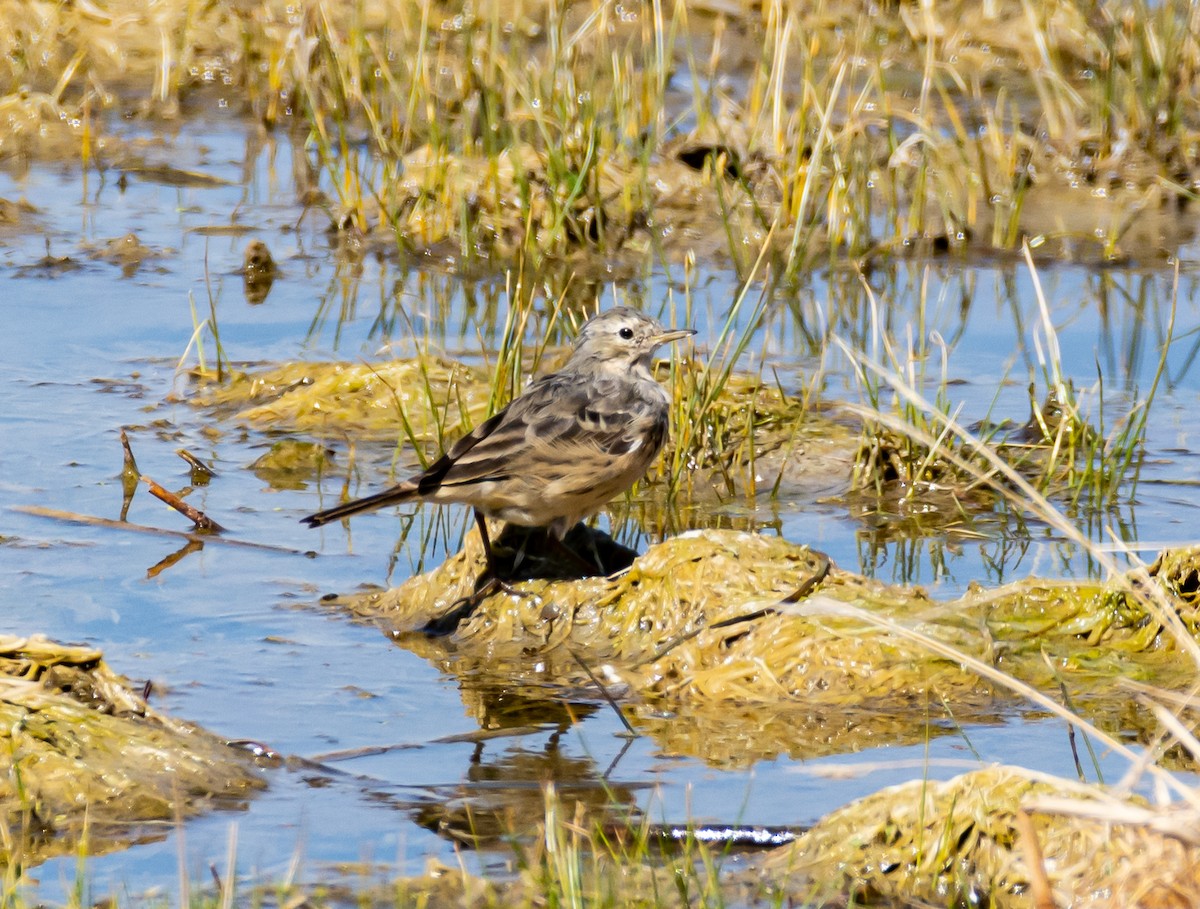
604, 691
1039, 882
198, 467
72, 517
193, 514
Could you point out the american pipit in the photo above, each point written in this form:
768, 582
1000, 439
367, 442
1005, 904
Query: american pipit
563, 448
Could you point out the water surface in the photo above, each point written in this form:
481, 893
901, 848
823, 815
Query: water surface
237, 640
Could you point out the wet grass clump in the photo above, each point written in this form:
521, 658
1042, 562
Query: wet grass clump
797, 132
592, 131
87, 759
1002, 837
729, 633
919, 466
911, 475
427, 399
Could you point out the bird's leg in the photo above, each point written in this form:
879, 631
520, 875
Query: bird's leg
486, 584
489, 581
595, 550
489, 560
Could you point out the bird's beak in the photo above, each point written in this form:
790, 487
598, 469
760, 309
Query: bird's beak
674, 335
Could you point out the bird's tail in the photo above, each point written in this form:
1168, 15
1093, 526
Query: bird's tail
395, 495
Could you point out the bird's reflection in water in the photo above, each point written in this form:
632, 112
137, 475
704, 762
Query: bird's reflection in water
504, 791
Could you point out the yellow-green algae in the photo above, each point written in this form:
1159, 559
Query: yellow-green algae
958, 843
746, 640
290, 464
422, 396
84, 756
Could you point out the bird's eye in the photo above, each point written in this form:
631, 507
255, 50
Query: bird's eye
626, 333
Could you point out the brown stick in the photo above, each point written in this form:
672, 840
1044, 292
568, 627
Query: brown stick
201, 472
73, 517
130, 465
195, 515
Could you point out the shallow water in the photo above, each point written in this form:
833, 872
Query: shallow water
237, 640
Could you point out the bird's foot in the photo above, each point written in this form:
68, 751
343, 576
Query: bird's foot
464, 607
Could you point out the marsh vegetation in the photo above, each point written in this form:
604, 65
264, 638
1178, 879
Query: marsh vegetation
941, 257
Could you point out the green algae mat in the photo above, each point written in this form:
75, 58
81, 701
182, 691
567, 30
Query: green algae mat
86, 760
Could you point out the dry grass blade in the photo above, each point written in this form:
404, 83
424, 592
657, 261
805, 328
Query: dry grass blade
991, 673
1021, 493
1039, 882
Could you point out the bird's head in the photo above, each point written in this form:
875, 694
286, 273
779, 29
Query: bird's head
623, 339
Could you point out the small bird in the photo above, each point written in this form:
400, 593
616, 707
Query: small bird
568, 444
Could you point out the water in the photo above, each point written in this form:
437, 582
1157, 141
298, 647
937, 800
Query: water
236, 639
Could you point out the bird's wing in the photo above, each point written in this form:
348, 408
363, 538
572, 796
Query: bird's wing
600, 418
558, 419
463, 463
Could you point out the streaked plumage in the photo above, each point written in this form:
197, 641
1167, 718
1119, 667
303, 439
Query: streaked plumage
567, 445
